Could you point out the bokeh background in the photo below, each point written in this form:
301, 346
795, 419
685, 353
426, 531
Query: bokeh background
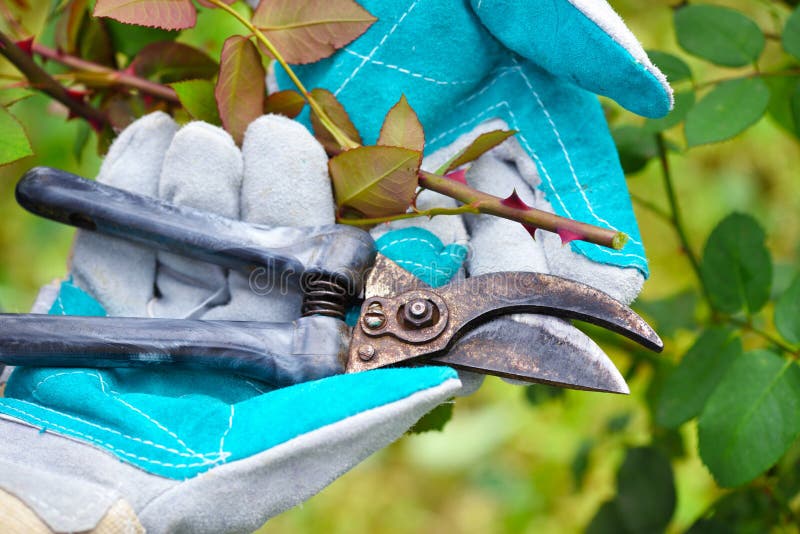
512, 459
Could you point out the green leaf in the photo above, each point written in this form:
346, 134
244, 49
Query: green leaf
673, 313
197, 98
436, 419
673, 67
784, 102
12, 95
752, 417
540, 393
727, 110
645, 490
684, 102
129, 39
287, 102
375, 180
241, 88
166, 14
791, 34
787, 313
688, 387
338, 115
81, 138
482, 144
749, 510
167, 62
305, 31
635, 146
402, 127
719, 34
580, 462
14, 142
737, 268
607, 520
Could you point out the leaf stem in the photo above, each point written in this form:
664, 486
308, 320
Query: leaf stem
337, 134
114, 77
748, 325
754, 74
493, 205
675, 215
466, 208
652, 207
41, 80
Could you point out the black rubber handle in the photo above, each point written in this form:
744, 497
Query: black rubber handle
279, 354
340, 252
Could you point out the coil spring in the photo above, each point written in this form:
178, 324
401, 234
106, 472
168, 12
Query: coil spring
323, 296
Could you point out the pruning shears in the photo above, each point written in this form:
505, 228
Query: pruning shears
403, 321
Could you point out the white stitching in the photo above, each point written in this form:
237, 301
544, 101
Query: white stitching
225, 434
408, 240
425, 267
372, 52
565, 152
108, 445
410, 73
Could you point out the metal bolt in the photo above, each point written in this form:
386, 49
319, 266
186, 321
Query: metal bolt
366, 352
418, 313
374, 318
418, 308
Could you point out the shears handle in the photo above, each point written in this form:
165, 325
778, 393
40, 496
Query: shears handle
276, 254
279, 354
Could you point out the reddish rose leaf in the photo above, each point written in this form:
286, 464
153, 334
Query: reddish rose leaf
513, 201
204, 3
288, 103
376, 181
167, 14
241, 89
482, 144
305, 31
168, 62
69, 24
402, 127
459, 176
568, 236
338, 115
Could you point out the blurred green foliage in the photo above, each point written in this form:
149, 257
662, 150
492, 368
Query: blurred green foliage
528, 460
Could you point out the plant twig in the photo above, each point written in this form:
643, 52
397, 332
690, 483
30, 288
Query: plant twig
754, 74
493, 205
421, 213
45, 83
335, 131
113, 76
746, 324
652, 207
675, 215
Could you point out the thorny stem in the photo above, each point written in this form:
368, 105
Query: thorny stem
493, 205
675, 215
421, 213
337, 134
42, 81
113, 76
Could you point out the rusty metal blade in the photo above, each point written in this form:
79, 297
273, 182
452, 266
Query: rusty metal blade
549, 351
479, 298
387, 279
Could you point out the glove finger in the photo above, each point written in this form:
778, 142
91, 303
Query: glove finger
584, 42
203, 170
118, 273
285, 183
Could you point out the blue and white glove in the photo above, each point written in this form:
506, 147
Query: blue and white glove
194, 451
535, 66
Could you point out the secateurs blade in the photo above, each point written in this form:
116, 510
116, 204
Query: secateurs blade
465, 324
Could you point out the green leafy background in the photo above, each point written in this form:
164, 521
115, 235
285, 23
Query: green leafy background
540, 460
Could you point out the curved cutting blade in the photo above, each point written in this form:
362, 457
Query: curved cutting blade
549, 351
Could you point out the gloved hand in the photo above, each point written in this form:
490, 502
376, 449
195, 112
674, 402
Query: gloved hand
200, 452
530, 65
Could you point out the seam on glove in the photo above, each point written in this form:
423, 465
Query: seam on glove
375, 49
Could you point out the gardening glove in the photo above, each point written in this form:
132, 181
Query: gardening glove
171, 450
534, 66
